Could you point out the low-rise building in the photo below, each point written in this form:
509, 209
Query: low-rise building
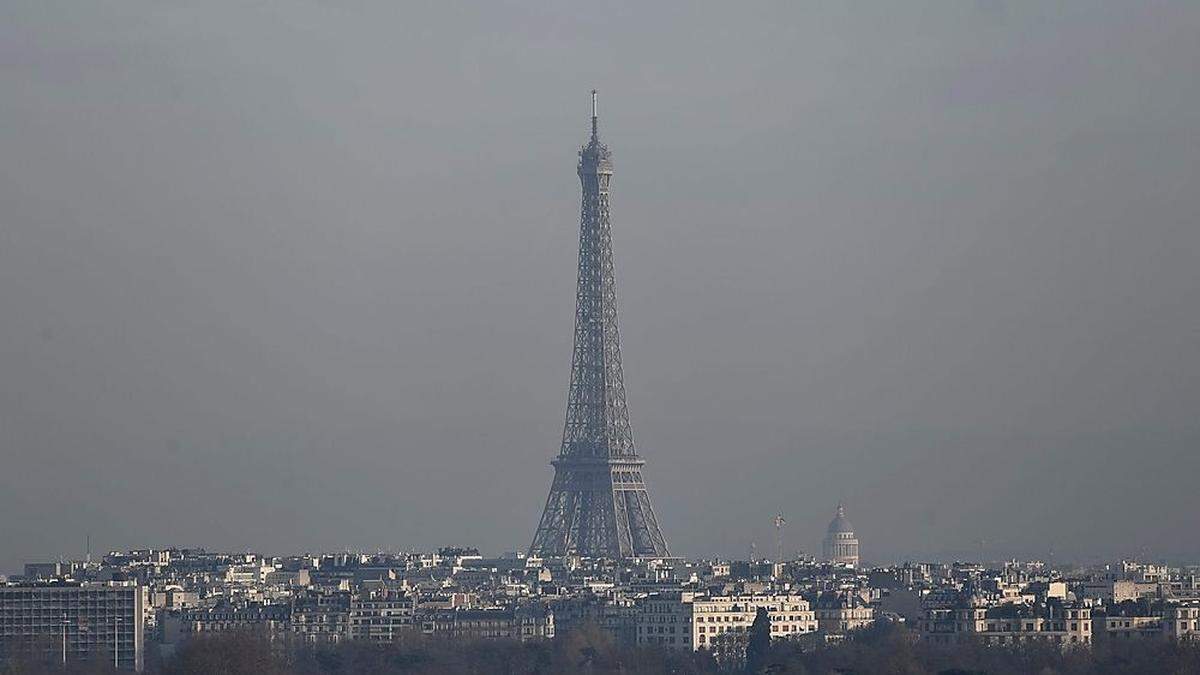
712, 617
320, 616
665, 619
380, 614
526, 622
615, 615
1181, 621
840, 613
688, 621
1129, 620
223, 618
972, 618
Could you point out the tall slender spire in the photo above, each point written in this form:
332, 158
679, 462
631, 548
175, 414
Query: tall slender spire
595, 119
598, 504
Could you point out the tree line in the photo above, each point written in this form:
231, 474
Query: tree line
885, 648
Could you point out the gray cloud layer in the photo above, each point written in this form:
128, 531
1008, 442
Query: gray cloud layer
299, 275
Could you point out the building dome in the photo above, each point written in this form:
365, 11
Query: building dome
841, 545
840, 523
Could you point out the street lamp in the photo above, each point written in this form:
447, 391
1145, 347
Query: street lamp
117, 644
64, 639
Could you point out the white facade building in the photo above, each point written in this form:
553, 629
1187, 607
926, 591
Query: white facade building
684, 621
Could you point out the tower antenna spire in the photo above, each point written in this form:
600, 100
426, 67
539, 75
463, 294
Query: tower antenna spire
595, 126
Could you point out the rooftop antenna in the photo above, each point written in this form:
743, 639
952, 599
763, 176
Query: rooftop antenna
595, 126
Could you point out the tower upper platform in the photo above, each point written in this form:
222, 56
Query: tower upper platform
594, 157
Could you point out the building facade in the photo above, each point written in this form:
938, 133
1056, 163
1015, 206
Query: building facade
321, 617
687, 621
64, 622
531, 622
712, 617
973, 620
840, 613
380, 614
665, 619
1181, 621
267, 619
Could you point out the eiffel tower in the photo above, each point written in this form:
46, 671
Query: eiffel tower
598, 504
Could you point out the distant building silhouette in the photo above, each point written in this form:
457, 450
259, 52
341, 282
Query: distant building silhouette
840, 545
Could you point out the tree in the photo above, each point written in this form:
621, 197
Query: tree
759, 644
234, 653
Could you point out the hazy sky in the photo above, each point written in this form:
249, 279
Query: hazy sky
300, 275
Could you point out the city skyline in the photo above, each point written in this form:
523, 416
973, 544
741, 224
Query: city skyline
157, 609
293, 277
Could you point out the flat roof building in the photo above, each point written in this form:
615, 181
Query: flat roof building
61, 622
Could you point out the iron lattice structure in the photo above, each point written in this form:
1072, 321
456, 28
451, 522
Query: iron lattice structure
598, 504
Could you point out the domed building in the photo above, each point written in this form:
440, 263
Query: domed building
840, 545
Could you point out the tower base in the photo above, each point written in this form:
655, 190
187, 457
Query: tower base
598, 508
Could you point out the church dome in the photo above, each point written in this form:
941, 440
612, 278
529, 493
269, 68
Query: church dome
840, 524
841, 544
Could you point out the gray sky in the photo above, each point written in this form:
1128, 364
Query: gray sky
300, 275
